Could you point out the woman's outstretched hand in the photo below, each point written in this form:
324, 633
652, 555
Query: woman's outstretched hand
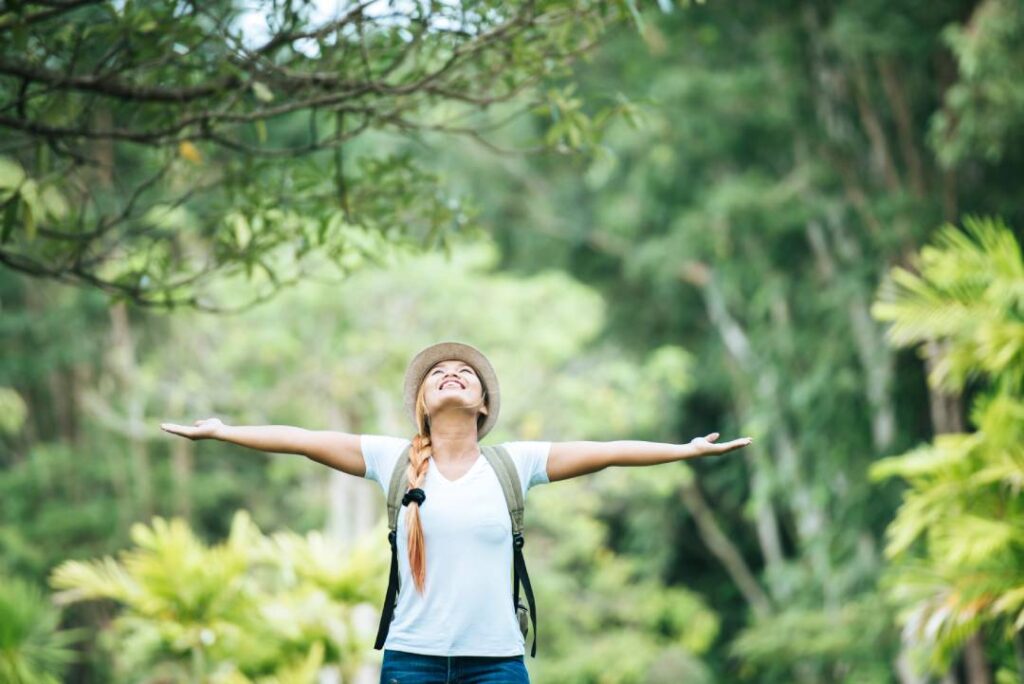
202, 429
706, 446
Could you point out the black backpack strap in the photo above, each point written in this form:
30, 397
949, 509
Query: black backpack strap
395, 494
505, 468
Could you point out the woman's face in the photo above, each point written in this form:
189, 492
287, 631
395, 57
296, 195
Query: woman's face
452, 383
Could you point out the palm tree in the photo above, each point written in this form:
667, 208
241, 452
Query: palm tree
32, 648
958, 535
272, 610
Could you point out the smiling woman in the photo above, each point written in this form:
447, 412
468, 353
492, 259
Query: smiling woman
455, 539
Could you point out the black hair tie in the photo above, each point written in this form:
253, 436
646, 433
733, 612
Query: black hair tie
416, 494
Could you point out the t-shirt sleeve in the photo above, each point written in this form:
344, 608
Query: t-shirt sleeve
381, 452
531, 459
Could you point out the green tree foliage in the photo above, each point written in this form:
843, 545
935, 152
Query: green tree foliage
153, 145
984, 113
786, 160
253, 608
32, 648
607, 615
957, 538
54, 504
787, 157
841, 644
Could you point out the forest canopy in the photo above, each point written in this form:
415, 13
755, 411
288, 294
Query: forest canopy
148, 147
799, 222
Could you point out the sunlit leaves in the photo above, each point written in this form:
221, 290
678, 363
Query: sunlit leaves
13, 411
969, 288
252, 608
957, 538
31, 199
32, 648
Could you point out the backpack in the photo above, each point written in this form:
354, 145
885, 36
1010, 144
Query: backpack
508, 476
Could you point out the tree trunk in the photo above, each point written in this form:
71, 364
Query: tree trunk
881, 157
946, 409
766, 519
766, 522
1018, 653
976, 667
947, 416
810, 517
723, 549
947, 72
896, 94
876, 358
122, 357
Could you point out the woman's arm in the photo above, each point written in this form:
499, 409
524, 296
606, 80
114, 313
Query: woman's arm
339, 450
572, 459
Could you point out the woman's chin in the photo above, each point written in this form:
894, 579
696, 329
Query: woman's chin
458, 405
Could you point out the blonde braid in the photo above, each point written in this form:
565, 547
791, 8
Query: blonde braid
419, 461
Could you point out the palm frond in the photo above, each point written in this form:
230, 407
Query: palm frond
33, 650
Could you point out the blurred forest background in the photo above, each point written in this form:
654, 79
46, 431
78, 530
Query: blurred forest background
794, 220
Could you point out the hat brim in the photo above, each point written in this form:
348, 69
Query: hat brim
442, 351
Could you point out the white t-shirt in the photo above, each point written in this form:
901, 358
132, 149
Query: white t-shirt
466, 607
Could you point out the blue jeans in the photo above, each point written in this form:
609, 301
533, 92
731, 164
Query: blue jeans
400, 667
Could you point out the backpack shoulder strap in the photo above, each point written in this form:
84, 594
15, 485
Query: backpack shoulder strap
396, 489
505, 468
395, 493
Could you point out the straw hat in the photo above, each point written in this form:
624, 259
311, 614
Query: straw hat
426, 358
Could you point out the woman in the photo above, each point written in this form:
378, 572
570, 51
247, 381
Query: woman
455, 621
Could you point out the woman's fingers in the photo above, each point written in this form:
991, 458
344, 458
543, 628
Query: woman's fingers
737, 443
724, 447
175, 429
202, 429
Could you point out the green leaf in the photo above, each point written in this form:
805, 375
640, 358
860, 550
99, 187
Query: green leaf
53, 202
11, 174
242, 231
262, 92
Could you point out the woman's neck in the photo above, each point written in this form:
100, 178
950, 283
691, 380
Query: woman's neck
453, 441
